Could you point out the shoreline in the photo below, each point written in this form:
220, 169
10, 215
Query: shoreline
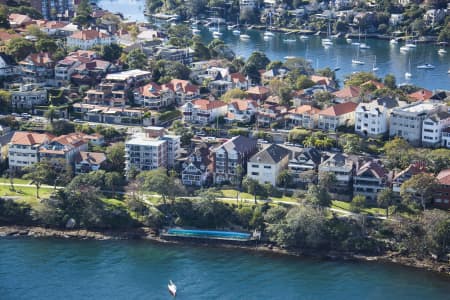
145, 233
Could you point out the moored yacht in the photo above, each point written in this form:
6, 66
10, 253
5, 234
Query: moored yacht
426, 66
442, 51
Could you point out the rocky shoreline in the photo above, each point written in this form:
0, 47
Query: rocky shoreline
145, 233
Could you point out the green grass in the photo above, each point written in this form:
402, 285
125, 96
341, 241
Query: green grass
26, 194
16, 180
230, 193
369, 210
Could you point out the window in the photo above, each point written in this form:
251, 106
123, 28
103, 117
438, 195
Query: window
255, 173
255, 166
267, 167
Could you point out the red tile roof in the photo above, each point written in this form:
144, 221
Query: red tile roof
444, 177
243, 104
421, 95
339, 109
238, 77
41, 59
204, 104
6, 36
150, 90
88, 35
95, 158
348, 92
376, 83
305, 109
30, 138
184, 85
258, 90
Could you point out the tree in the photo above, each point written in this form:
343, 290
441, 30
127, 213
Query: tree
51, 113
257, 61
327, 180
390, 82
397, 153
385, 198
251, 185
113, 180
358, 203
5, 100
46, 44
111, 52
136, 59
234, 94
436, 225
419, 187
359, 78
37, 173
19, 48
284, 179
4, 21
440, 159
115, 154
303, 82
317, 196
298, 66
280, 89
83, 13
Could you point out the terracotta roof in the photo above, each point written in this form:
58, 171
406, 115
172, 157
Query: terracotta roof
258, 90
373, 167
412, 169
305, 109
204, 104
376, 83
19, 19
89, 35
30, 138
150, 90
339, 109
94, 158
39, 59
421, 95
348, 92
238, 77
54, 24
243, 104
183, 85
444, 177
321, 79
6, 36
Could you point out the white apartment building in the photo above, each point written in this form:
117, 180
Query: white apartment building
151, 149
432, 128
445, 138
266, 165
28, 96
406, 121
23, 149
372, 119
86, 39
203, 111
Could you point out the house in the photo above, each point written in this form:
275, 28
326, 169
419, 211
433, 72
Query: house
305, 116
110, 94
342, 114
274, 73
307, 160
52, 9
19, 20
268, 114
203, 111
239, 81
64, 70
241, 110
421, 95
113, 115
95, 139
153, 96
372, 119
434, 17
267, 164
323, 80
231, 154
407, 121
183, 89
432, 128
8, 66
342, 167
38, 66
258, 93
369, 180
151, 149
23, 149
348, 93
184, 56
410, 171
442, 196
64, 147
445, 137
87, 39
52, 27
28, 96
86, 162
195, 169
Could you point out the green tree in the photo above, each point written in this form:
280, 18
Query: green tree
111, 52
440, 159
4, 21
385, 198
284, 179
83, 13
234, 94
252, 186
397, 153
257, 61
19, 48
46, 45
359, 78
419, 187
5, 100
51, 113
115, 154
390, 82
436, 225
37, 173
317, 195
358, 203
136, 59
112, 181
303, 82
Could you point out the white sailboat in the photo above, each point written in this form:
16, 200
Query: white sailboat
244, 37
393, 41
327, 41
172, 288
304, 37
364, 45
269, 34
374, 67
356, 60
289, 40
408, 74
442, 51
217, 34
236, 31
426, 67
358, 43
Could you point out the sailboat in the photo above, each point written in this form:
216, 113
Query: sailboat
236, 31
269, 33
358, 43
327, 41
375, 68
364, 45
289, 40
304, 37
408, 74
172, 288
356, 60
217, 34
195, 29
393, 41
442, 51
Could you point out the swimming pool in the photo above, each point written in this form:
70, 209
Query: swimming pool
210, 234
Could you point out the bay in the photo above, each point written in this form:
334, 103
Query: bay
389, 59
69, 269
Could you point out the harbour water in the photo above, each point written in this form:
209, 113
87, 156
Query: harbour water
68, 269
388, 59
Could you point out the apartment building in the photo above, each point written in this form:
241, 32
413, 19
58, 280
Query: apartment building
64, 147
407, 121
304, 116
23, 149
369, 180
432, 128
87, 39
266, 165
202, 111
342, 114
28, 96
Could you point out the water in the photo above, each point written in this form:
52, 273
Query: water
388, 59
210, 234
63, 269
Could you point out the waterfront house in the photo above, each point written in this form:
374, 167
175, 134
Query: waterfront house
196, 167
266, 165
268, 114
184, 90
23, 149
202, 111
420, 95
305, 116
64, 147
342, 114
86, 162
274, 73
400, 177
323, 80
258, 93
154, 96
349, 93
231, 154
442, 196
342, 167
432, 128
87, 39
241, 110
307, 160
369, 180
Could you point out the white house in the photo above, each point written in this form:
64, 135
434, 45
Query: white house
203, 111
304, 116
86, 162
28, 96
432, 128
8, 67
86, 39
23, 149
266, 165
342, 114
241, 110
372, 119
445, 138
341, 166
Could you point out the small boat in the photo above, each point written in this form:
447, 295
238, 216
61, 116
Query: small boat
289, 40
404, 49
426, 67
364, 46
408, 75
304, 37
172, 288
442, 51
448, 72
327, 42
289, 57
268, 33
236, 32
357, 62
230, 27
356, 44
217, 34
349, 40
244, 37
393, 42
375, 68
410, 45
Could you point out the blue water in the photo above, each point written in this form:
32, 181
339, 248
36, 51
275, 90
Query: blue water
209, 233
64, 269
388, 59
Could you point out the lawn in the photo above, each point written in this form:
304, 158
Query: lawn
230, 193
16, 180
346, 206
25, 194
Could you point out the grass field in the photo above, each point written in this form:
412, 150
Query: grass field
346, 206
